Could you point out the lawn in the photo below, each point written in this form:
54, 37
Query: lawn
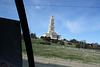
63, 53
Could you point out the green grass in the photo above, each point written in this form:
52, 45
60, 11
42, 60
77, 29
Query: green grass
68, 54
66, 45
72, 46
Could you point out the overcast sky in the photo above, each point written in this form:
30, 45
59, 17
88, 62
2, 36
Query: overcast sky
74, 19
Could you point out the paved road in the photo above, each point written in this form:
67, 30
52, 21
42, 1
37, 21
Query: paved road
56, 62
38, 64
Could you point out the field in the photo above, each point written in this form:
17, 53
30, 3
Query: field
63, 53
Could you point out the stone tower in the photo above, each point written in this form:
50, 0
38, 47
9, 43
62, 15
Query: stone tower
51, 24
51, 33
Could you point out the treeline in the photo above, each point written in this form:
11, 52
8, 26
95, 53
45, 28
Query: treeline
78, 44
32, 35
83, 44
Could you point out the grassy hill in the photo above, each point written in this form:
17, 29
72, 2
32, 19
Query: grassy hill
63, 53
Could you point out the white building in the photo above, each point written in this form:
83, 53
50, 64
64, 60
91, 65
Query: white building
51, 32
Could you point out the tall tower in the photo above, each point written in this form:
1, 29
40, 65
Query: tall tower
51, 33
51, 24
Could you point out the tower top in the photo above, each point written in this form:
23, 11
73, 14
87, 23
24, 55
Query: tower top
52, 16
52, 13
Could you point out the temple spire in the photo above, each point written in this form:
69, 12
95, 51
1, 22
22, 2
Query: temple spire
51, 33
51, 24
52, 15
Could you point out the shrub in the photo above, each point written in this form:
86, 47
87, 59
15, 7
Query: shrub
78, 46
54, 40
46, 38
45, 43
69, 43
61, 42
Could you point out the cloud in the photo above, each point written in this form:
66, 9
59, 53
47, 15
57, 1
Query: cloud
74, 27
37, 7
82, 25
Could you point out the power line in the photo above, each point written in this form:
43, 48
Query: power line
56, 5
67, 6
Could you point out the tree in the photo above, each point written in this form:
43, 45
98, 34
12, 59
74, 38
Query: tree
77, 45
73, 41
82, 44
64, 40
33, 35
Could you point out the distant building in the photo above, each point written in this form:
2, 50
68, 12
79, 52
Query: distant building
95, 45
51, 32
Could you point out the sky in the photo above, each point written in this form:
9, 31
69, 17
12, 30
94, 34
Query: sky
74, 19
